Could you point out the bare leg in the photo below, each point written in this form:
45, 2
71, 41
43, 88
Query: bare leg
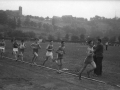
45, 60
88, 73
59, 65
84, 67
33, 58
94, 66
21, 56
1, 54
16, 56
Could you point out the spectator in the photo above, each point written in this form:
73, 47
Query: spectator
106, 44
98, 57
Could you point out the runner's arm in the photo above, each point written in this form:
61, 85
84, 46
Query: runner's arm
39, 46
47, 47
32, 44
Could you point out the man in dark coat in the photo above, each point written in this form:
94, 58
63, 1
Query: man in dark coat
98, 57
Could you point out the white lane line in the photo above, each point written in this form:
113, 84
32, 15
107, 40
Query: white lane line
57, 70
118, 86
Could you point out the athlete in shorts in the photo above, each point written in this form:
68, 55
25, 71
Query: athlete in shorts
49, 53
60, 53
36, 46
88, 60
2, 47
21, 49
15, 49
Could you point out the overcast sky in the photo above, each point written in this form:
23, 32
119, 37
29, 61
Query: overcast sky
77, 8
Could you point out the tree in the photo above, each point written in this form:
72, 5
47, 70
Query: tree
53, 21
82, 37
3, 17
67, 37
47, 18
19, 22
81, 30
43, 36
27, 21
33, 24
40, 24
58, 36
74, 38
105, 39
112, 39
12, 22
50, 37
30, 34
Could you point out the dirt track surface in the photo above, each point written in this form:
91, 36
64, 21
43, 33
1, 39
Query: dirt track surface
20, 76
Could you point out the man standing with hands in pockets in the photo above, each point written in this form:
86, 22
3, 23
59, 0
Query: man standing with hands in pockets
98, 57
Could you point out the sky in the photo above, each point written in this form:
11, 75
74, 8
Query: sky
76, 8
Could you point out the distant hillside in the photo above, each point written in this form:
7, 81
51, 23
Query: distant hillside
97, 26
43, 33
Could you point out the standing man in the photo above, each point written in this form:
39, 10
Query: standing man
106, 44
98, 57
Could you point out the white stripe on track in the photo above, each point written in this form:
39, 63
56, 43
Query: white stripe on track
62, 71
57, 70
118, 86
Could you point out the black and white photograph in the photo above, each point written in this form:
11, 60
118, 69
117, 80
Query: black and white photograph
59, 45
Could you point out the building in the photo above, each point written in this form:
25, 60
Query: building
14, 13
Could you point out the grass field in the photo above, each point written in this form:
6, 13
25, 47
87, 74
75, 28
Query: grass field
74, 57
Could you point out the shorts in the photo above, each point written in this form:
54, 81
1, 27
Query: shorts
49, 54
59, 56
88, 60
2, 49
15, 50
93, 64
35, 50
21, 50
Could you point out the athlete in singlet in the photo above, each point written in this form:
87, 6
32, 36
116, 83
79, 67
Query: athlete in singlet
49, 53
88, 59
60, 53
2, 47
35, 46
15, 49
21, 49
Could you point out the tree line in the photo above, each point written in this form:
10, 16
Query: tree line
73, 32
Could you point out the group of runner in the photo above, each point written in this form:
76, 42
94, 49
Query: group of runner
19, 47
18, 51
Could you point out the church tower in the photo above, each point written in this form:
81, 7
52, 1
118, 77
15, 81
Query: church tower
20, 11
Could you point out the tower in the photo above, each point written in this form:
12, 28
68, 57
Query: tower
20, 11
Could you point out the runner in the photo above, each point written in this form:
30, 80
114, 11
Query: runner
15, 48
36, 46
60, 53
21, 49
88, 59
49, 53
2, 47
